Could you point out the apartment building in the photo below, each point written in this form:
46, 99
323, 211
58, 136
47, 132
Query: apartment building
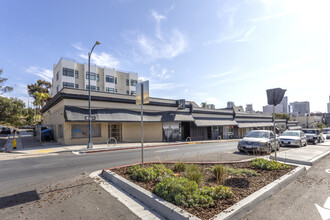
299, 108
68, 73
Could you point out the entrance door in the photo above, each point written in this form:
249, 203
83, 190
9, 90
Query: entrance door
114, 130
185, 130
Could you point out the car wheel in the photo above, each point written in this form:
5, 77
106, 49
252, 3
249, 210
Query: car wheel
242, 151
305, 143
270, 149
278, 148
300, 144
315, 142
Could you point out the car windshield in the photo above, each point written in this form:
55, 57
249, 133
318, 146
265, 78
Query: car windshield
309, 131
326, 132
258, 134
290, 133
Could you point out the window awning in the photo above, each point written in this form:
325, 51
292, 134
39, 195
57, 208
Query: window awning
76, 114
208, 123
252, 125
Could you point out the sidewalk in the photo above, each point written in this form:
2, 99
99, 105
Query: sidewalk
304, 155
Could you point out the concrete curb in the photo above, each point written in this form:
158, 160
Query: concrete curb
171, 211
166, 209
249, 203
301, 162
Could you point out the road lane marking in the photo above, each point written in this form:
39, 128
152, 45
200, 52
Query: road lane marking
159, 151
325, 210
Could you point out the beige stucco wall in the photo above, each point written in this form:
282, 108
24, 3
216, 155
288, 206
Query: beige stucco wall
131, 132
96, 140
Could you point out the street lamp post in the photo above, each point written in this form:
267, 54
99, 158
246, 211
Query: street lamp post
90, 143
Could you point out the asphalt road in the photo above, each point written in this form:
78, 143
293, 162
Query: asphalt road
3, 140
297, 200
55, 187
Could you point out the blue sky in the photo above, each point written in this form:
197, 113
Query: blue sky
214, 51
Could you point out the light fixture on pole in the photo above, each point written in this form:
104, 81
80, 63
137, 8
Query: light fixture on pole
90, 143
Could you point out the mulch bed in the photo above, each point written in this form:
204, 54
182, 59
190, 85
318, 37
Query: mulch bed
240, 186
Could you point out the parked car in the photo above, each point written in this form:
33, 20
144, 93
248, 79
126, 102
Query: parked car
313, 135
47, 135
5, 130
293, 138
326, 133
258, 140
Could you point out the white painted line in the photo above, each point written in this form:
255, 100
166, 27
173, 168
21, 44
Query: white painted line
79, 152
131, 203
159, 151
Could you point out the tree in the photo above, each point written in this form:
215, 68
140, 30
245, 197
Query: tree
203, 104
12, 111
4, 89
41, 86
282, 116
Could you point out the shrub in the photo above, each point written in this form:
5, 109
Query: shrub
181, 191
179, 167
156, 172
268, 165
219, 172
194, 174
242, 172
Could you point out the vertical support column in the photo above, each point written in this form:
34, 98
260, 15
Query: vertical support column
142, 159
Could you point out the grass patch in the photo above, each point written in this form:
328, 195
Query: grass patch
194, 174
179, 167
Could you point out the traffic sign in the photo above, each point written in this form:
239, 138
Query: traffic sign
91, 117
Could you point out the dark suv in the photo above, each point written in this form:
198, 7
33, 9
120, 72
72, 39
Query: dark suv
313, 135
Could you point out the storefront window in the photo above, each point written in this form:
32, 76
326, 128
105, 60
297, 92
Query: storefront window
81, 130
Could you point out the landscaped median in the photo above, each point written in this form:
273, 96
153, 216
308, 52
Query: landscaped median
203, 190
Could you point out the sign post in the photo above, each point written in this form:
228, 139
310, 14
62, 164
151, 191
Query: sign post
142, 97
275, 97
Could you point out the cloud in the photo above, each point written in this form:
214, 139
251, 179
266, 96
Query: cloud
102, 59
269, 17
238, 35
162, 45
161, 74
78, 46
46, 74
218, 75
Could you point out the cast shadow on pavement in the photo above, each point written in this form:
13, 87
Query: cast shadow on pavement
18, 199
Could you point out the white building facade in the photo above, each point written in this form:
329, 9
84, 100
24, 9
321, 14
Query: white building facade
268, 109
71, 74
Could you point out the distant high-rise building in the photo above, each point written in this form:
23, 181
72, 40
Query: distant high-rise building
268, 109
249, 108
329, 105
299, 108
230, 104
284, 103
212, 106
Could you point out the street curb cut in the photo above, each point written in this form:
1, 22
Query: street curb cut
166, 209
249, 203
308, 163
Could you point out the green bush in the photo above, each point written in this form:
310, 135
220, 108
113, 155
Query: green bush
179, 167
156, 172
194, 174
219, 172
217, 192
242, 172
268, 165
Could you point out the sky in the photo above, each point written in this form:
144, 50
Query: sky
213, 51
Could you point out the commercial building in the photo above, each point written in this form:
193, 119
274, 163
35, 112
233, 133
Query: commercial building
268, 109
71, 74
249, 108
284, 104
230, 104
299, 108
308, 121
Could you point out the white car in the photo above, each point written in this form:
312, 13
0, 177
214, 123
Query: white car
293, 138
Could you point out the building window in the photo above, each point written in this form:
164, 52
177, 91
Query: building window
68, 72
133, 93
92, 88
115, 80
111, 90
127, 82
109, 79
57, 88
98, 88
93, 76
81, 130
98, 77
76, 86
115, 90
76, 74
57, 75
133, 82
127, 92
60, 131
68, 85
